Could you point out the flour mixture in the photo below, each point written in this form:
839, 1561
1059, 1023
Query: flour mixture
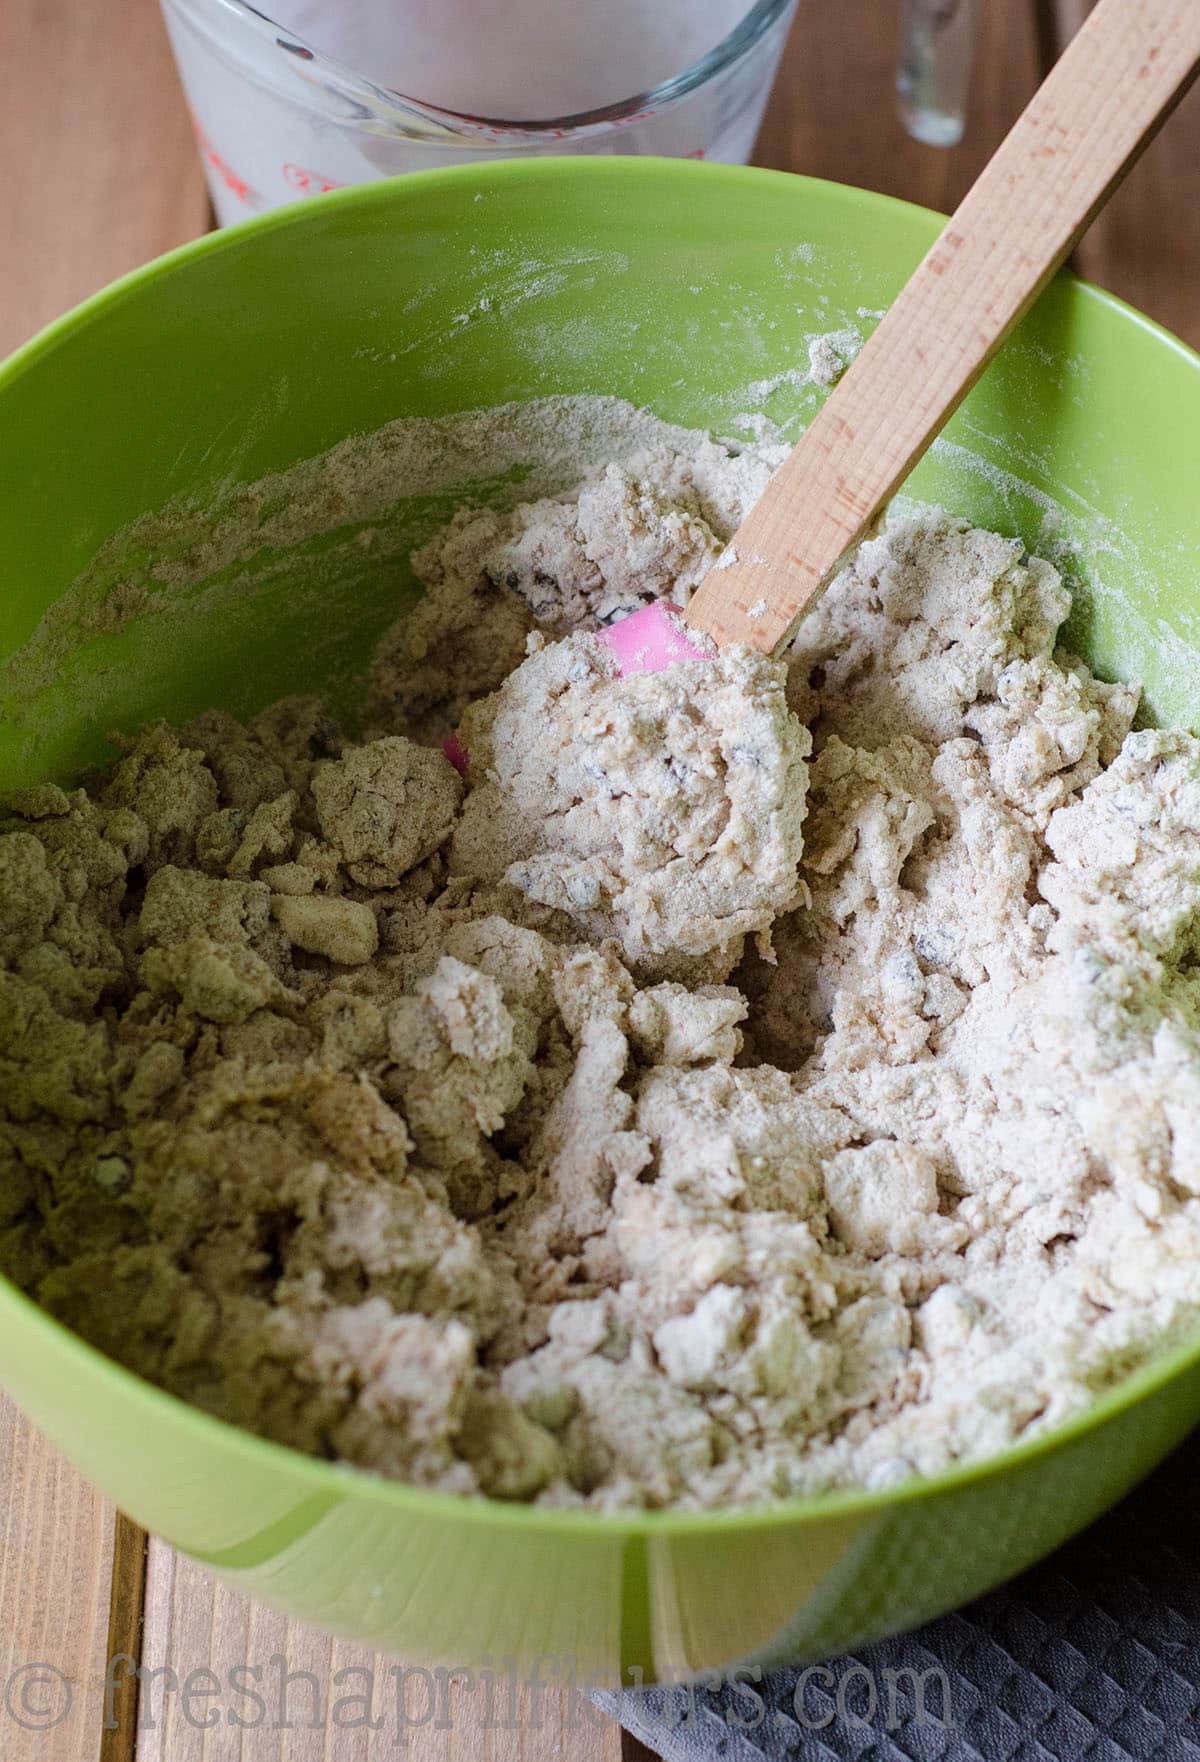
751, 1079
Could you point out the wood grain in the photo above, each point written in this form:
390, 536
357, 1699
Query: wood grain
98, 168
833, 111
55, 1575
833, 115
1146, 244
1116, 82
125, 1602
345, 1710
98, 173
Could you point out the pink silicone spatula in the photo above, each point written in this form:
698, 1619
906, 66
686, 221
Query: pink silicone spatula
1114, 86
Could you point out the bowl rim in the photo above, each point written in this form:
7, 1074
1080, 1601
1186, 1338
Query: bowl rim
338, 1481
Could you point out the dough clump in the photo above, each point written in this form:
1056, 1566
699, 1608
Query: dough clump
665, 810
752, 1079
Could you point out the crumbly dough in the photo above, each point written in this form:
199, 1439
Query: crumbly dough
755, 1078
667, 812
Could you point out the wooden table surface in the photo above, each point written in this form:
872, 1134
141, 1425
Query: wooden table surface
98, 172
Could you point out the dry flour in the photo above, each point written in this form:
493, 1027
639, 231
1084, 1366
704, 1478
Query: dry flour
752, 1079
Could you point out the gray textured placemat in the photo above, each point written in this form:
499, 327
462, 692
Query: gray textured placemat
1093, 1656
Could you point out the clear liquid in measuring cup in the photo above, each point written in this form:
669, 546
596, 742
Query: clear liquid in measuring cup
472, 79
516, 60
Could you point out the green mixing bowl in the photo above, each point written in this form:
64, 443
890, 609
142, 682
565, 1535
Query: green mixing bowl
690, 289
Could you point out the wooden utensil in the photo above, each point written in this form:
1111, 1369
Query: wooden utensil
1108, 94
1111, 90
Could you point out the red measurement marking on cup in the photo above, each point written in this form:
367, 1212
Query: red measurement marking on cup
696, 153
310, 182
241, 189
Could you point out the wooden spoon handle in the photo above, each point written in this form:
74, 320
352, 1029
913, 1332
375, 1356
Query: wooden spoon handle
1116, 83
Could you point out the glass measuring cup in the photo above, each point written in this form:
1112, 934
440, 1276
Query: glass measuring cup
279, 117
933, 73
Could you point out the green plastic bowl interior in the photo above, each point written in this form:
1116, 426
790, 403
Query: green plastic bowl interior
690, 289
